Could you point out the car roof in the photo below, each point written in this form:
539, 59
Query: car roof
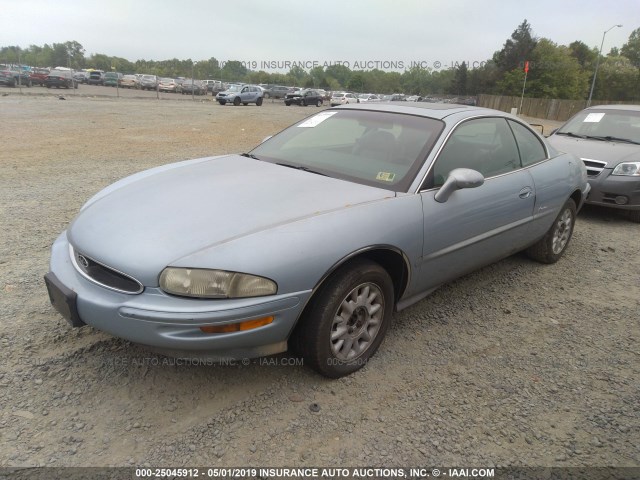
635, 108
432, 110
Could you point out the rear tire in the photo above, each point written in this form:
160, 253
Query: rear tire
319, 103
259, 102
634, 216
550, 248
346, 320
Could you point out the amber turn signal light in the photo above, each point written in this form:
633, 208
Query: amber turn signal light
238, 327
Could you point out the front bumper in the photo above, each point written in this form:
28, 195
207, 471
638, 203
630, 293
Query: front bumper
172, 324
605, 188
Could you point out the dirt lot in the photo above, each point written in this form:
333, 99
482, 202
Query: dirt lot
517, 364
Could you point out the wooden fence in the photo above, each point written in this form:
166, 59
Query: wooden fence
547, 108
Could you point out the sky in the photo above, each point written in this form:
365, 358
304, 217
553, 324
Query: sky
361, 34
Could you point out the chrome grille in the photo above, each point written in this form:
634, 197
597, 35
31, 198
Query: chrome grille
594, 167
103, 275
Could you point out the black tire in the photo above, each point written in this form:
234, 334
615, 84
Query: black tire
319, 103
288, 104
359, 285
634, 216
259, 102
245, 103
222, 102
303, 102
550, 248
236, 101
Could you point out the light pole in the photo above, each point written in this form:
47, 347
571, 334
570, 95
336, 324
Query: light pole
593, 83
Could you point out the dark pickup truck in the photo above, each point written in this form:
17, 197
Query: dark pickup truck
38, 75
14, 78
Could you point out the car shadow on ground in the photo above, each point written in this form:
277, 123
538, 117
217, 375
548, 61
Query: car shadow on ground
595, 213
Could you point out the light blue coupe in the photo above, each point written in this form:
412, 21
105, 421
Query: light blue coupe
314, 238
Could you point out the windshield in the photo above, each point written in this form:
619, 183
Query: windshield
604, 124
380, 149
234, 88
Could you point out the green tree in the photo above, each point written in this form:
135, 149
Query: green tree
460, 80
340, 73
617, 79
555, 73
416, 80
631, 49
586, 56
517, 49
233, 71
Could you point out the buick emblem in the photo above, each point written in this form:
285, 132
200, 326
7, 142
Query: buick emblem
82, 260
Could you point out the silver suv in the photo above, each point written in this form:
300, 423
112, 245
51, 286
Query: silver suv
238, 94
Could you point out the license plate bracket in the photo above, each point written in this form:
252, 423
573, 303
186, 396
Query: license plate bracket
63, 299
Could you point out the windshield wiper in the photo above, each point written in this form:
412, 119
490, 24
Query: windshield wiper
609, 138
300, 167
249, 155
570, 134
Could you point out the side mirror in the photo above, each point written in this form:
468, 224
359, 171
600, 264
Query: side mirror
458, 179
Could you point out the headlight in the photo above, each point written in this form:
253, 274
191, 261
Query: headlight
628, 168
201, 283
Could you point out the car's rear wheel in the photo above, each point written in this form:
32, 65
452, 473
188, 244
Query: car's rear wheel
259, 101
550, 248
236, 101
319, 103
346, 320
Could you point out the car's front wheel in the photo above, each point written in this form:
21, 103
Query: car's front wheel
346, 320
222, 102
550, 248
236, 101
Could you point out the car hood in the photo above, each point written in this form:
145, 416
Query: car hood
163, 215
611, 152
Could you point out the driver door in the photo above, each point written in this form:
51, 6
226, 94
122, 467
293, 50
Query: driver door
475, 226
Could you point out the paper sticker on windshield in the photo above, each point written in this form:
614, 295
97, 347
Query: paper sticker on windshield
594, 117
385, 176
316, 119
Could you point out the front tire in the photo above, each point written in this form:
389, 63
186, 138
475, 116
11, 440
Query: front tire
634, 216
550, 248
236, 101
347, 319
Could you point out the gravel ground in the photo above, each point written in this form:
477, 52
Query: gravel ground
516, 364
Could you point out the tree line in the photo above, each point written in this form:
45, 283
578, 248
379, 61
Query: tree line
555, 71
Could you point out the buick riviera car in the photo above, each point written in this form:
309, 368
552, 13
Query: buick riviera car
314, 238
607, 139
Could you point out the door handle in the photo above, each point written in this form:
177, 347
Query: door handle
525, 192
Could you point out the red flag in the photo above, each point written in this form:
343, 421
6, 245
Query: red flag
526, 66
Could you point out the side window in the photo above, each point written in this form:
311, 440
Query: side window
486, 145
531, 150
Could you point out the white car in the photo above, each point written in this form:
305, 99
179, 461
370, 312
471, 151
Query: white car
343, 98
368, 97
